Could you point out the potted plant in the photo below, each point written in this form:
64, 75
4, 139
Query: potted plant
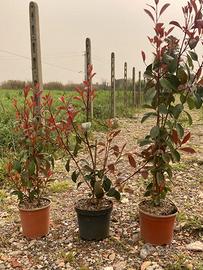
173, 82
95, 168
31, 167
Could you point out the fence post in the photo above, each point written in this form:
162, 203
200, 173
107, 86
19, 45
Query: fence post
133, 87
35, 52
88, 61
113, 105
125, 84
139, 89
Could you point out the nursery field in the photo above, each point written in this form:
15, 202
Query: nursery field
123, 250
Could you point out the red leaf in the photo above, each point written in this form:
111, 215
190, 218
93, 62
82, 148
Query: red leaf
175, 138
77, 98
163, 8
176, 24
132, 161
150, 14
194, 5
200, 82
144, 174
151, 7
188, 150
115, 133
156, 2
186, 138
169, 31
111, 168
143, 56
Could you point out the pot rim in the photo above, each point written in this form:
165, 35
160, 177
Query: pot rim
36, 208
158, 216
77, 209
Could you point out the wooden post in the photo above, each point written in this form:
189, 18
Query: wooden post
113, 105
139, 89
35, 52
125, 84
133, 87
88, 61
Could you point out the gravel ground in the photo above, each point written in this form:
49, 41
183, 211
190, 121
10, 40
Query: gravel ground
123, 250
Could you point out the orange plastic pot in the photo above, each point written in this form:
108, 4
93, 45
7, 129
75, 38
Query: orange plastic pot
156, 230
35, 222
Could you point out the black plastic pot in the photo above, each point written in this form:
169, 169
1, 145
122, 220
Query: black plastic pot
94, 225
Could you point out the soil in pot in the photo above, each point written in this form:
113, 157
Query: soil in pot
94, 219
35, 220
157, 223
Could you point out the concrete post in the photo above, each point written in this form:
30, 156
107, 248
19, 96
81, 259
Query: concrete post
133, 87
87, 63
125, 84
113, 105
35, 52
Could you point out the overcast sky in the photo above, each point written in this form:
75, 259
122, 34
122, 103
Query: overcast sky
119, 26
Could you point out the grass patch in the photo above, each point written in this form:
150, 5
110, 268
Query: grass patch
3, 195
68, 257
181, 263
179, 166
59, 186
191, 223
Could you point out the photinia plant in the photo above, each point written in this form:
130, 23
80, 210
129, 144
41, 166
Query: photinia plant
174, 81
30, 169
101, 158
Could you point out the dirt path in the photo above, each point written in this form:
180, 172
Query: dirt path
62, 248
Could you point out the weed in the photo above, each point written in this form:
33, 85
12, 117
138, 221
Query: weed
59, 186
3, 195
181, 263
179, 166
68, 257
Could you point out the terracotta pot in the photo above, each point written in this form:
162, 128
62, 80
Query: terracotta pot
35, 222
94, 225
156, 230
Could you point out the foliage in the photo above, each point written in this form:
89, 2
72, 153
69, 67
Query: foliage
103, 156
30, 169
175, 70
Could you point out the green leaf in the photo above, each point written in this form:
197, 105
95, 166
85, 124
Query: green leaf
19, 194
198, 101
174, 81
147, 115
175, 155
172, 66
189, 118
182, 76
31, 167
149, 95
144, 142
166, 157
148, 72
74, 176
189, 60
163, 108
167, 85
180, 130
182, 98
191, 102
67, 166
98, 190
114, 193
106, 183
17, 166
193, 55
154, 132
177, 110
